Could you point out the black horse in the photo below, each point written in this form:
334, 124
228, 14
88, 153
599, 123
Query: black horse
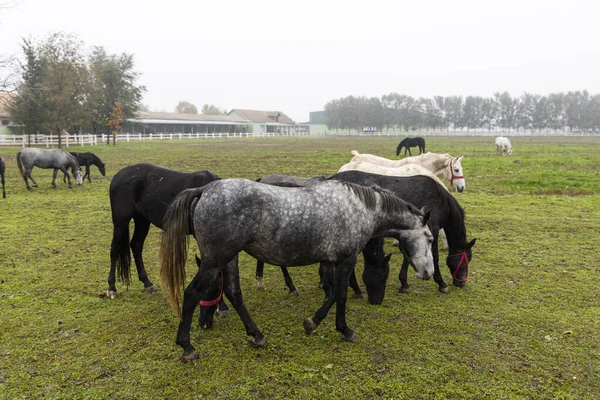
142, 192
2, 168
88, 159
446, 213
409, 142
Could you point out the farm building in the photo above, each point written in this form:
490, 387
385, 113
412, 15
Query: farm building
164, 122
265, 122
7, 126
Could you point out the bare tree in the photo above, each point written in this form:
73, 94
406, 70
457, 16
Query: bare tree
185, 107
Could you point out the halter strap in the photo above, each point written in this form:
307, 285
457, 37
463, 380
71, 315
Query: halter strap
452, 176
463, 256
215, 301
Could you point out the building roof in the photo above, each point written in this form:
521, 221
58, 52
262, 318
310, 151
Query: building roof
263, 116
160, 117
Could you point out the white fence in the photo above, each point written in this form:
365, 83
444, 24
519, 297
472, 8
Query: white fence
86, 139
51, 141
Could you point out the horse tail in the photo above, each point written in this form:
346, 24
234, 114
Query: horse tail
174, 244
20, 165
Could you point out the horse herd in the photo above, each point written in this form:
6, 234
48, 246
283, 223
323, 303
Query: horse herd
281, 220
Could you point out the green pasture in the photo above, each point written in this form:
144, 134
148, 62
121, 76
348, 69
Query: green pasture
527, 324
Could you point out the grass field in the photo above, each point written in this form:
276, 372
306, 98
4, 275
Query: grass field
527, 324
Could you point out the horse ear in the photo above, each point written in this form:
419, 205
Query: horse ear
460, 158
471, 243
198, 262
426, 214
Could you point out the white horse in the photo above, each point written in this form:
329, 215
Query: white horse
404, 170
438, 164
503, 146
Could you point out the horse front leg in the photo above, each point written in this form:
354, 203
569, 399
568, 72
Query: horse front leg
233, 292
66, 172
327, 272
354, 285
288, 282
54, 173
87, 173
437, 275
344, 270
403, 276
260, 271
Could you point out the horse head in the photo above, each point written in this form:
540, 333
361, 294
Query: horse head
416, 245
78, 177
376, 270
456, 174
458, 263
102, 169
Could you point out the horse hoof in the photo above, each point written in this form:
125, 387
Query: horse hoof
358, 295
224, 313
191, 356
150, 289
258, 344
294, 293
352, 338
309, 326
111, 294
444, 290
404, 290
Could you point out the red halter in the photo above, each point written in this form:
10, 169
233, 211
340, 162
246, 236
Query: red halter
463, 256
452, 176
215, 301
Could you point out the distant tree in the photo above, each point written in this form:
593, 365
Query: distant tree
211, 109
112, 79
506, 110
144, 107
454, 111
27, 107
185, 107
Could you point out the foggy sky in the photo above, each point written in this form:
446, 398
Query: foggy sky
294, 56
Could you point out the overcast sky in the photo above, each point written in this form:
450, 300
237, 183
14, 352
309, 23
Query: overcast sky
295, 56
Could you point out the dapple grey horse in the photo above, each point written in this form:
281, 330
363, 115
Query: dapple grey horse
56, 158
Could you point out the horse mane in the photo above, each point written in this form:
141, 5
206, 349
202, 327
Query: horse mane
95, 160
389, 201
73, 161
456, 216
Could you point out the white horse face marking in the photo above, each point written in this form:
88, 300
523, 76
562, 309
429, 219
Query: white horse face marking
417, 246
78, 177
457, 170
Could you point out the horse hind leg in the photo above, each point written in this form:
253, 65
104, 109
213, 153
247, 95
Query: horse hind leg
233, 292
119, 255
343, 272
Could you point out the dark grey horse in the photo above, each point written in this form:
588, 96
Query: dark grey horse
56, 159
2, 168
329, 222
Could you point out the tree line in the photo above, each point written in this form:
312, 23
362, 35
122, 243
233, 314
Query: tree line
572, 111
62, 87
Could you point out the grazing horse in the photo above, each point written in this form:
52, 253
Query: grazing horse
86, 159
446, 213
142, 192
439, 164
409, 142
371, 253
404, 170
503, 146
329, 222
56, 159
2, 168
